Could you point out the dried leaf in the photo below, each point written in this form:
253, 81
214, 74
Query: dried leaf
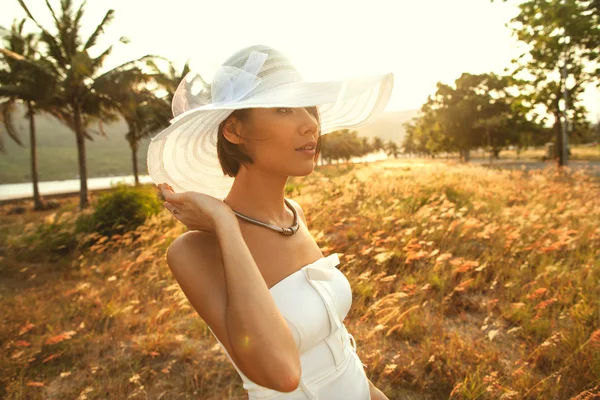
59, 338
52, 357
26, 328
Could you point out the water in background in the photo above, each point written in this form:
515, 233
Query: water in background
25, 190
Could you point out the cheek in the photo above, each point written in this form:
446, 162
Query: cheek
272, 150
274, 145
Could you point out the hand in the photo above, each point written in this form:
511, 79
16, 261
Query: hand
197, 211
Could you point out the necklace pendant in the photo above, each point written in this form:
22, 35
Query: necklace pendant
283, 231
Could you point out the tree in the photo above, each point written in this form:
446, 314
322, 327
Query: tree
391, 148
82, 84
365, 145
152, 115
143, 112
24, 80
170, 79
377, 143
479, 110
343, 144
563, 36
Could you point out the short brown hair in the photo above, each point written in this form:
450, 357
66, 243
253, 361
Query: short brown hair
232, 156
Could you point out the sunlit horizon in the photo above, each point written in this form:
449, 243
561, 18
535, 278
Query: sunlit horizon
422, 43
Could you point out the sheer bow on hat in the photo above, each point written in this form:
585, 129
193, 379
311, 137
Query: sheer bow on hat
229, 84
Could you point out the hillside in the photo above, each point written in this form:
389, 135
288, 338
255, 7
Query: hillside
57, 152
389, 125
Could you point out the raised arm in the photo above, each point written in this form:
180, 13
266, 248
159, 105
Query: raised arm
220, 278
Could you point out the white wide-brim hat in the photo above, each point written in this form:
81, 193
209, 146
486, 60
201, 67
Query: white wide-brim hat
184, 155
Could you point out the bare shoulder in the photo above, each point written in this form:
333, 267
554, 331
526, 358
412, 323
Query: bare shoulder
195, 260
199, 242
193, 251
299, 209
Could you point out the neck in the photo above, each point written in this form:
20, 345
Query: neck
259, 194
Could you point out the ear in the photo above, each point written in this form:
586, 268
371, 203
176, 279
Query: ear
232, 129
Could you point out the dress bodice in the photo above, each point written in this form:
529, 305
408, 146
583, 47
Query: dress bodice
314, 302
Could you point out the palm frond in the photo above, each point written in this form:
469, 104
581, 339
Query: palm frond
124, 66
79, 14
41, 68
56, 50
7, 109
46, 36
108, 18
22, 3
52, 13
99, 61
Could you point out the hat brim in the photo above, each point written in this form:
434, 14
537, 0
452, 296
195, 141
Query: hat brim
184, 155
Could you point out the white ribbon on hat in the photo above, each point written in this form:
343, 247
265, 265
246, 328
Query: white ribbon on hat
231, 84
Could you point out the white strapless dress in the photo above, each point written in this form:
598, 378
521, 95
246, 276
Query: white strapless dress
314, 302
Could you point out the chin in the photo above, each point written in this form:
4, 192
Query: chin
303, 171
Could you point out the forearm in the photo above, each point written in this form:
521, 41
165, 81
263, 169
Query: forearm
255, 326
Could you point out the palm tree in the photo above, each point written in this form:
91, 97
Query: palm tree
169, 80
82, 83
154, 113
391, 148
143, 112
377, 143
24, 80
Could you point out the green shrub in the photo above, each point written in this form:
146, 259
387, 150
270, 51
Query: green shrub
50, 239
121, 210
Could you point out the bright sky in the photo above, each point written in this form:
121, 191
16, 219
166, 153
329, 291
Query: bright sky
422, 42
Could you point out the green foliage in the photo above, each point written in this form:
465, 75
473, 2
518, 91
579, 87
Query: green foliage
121, 210
562, 38
345, 144
52, 239
478, 111
293, 187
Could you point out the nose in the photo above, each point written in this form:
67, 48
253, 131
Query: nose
310, 125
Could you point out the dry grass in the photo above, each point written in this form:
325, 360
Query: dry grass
468, 283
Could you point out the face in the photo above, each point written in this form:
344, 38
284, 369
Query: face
274, 134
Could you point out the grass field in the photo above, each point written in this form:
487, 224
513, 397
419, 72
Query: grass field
468, 283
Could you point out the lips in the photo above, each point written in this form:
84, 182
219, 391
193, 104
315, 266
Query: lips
311, 145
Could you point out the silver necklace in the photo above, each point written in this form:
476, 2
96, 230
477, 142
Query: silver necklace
284, 231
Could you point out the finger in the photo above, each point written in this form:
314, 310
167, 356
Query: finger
172, 197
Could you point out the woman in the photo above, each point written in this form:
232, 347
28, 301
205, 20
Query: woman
249, 265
